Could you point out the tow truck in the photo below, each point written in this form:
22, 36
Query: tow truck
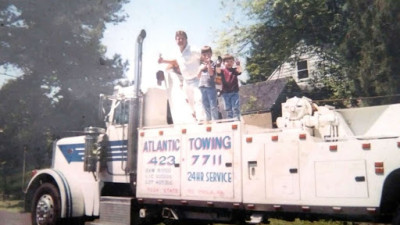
319, 162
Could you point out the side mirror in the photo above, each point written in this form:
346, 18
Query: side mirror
104, 108
160, 77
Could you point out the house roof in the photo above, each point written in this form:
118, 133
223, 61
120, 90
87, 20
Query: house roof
261, 97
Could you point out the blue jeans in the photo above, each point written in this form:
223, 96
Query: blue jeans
209, 98
232, 106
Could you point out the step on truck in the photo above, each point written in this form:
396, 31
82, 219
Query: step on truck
318, 162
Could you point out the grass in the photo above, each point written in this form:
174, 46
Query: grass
304, 222
12, 205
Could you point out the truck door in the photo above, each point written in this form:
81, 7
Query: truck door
159, 154
117, 132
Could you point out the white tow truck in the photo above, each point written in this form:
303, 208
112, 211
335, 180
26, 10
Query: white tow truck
318, 163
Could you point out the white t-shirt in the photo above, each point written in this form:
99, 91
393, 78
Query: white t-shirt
189, 62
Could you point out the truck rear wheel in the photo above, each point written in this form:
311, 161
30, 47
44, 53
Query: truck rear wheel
46, 205
396, 217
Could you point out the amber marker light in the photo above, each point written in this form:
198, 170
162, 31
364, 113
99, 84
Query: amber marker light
160, 132
379, 168
234, 126
184, 131
366, 146
249, 139
141, 134
333, 148
274, 138
302, 136
208, 129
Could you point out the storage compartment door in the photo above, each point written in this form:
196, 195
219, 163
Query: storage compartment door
341, 179
282, 170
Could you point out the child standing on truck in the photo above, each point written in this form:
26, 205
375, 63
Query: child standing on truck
206, 75
230, 86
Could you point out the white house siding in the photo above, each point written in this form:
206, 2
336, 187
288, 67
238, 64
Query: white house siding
289, 69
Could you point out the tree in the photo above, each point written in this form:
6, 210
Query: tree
57, 46
357, 41
370, 48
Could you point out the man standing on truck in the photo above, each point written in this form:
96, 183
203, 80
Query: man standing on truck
188, 60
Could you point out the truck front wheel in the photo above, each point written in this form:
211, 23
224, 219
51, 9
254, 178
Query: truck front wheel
46, 205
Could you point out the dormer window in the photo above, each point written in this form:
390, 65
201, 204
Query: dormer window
302, 69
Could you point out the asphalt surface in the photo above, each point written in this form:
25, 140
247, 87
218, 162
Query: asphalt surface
14, 218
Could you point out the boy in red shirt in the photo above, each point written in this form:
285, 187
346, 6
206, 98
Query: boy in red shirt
230, 86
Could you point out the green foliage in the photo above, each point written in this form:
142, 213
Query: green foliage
10, 182
57, 46
371, 50
357, 40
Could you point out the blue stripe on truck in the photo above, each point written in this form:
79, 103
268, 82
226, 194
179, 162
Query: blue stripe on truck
116, 151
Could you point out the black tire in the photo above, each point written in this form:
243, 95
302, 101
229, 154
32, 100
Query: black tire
396, 217
46, 205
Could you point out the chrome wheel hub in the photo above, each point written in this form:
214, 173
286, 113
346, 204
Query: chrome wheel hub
45, 210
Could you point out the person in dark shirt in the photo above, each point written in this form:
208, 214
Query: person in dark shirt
230, 85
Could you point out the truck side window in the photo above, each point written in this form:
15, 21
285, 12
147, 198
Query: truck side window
121, 113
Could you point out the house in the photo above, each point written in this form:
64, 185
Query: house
261, 102
304, 69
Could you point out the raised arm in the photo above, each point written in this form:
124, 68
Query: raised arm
172, 62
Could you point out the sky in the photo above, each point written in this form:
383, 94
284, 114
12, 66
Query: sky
161, 19
6, 75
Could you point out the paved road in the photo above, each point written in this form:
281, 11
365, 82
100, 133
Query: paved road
14, 218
